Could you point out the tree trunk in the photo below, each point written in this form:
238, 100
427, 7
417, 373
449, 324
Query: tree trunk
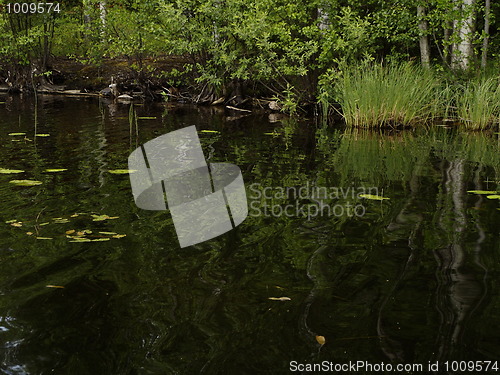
484, 56
103, 16
425, 52
323, 19
448, 31
462, 51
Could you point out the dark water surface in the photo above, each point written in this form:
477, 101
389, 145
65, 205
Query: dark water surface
411, 279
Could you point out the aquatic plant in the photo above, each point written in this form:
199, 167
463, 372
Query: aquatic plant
478, 103
376, 95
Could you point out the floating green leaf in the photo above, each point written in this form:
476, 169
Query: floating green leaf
108, 233
11, 221
146, 118
14, 134
495, 196
210, 131
81, 240
44, 238
372, 197
10, 171
56, 170
61, 221
485, 192
122, 171
42, 135
26, 182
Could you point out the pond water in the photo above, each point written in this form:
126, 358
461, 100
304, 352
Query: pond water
411, 279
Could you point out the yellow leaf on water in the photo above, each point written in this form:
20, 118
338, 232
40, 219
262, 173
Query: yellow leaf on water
482, 192
10, 171
70, 231
108, 233
54, 170
17, 224
44, 238
120, 236
10, 221
280, 298
42, 135
29, 233
25, 182
14, 134
321, 340
372, 197
54, 286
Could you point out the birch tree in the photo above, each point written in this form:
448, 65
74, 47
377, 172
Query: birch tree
463, 28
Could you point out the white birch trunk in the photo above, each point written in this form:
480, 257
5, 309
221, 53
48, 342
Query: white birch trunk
462, 51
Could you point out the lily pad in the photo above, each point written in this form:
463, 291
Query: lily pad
373, 197
481, 192
122, 171
14, 134
42, 135
56, 170
10, 171
26, 182
495, 196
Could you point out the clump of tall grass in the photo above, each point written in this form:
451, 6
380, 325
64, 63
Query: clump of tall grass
375, 95
478, 103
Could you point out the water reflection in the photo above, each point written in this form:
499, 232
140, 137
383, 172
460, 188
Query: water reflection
413, 280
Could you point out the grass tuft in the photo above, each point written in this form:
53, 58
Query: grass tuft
478, 103
374, 95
